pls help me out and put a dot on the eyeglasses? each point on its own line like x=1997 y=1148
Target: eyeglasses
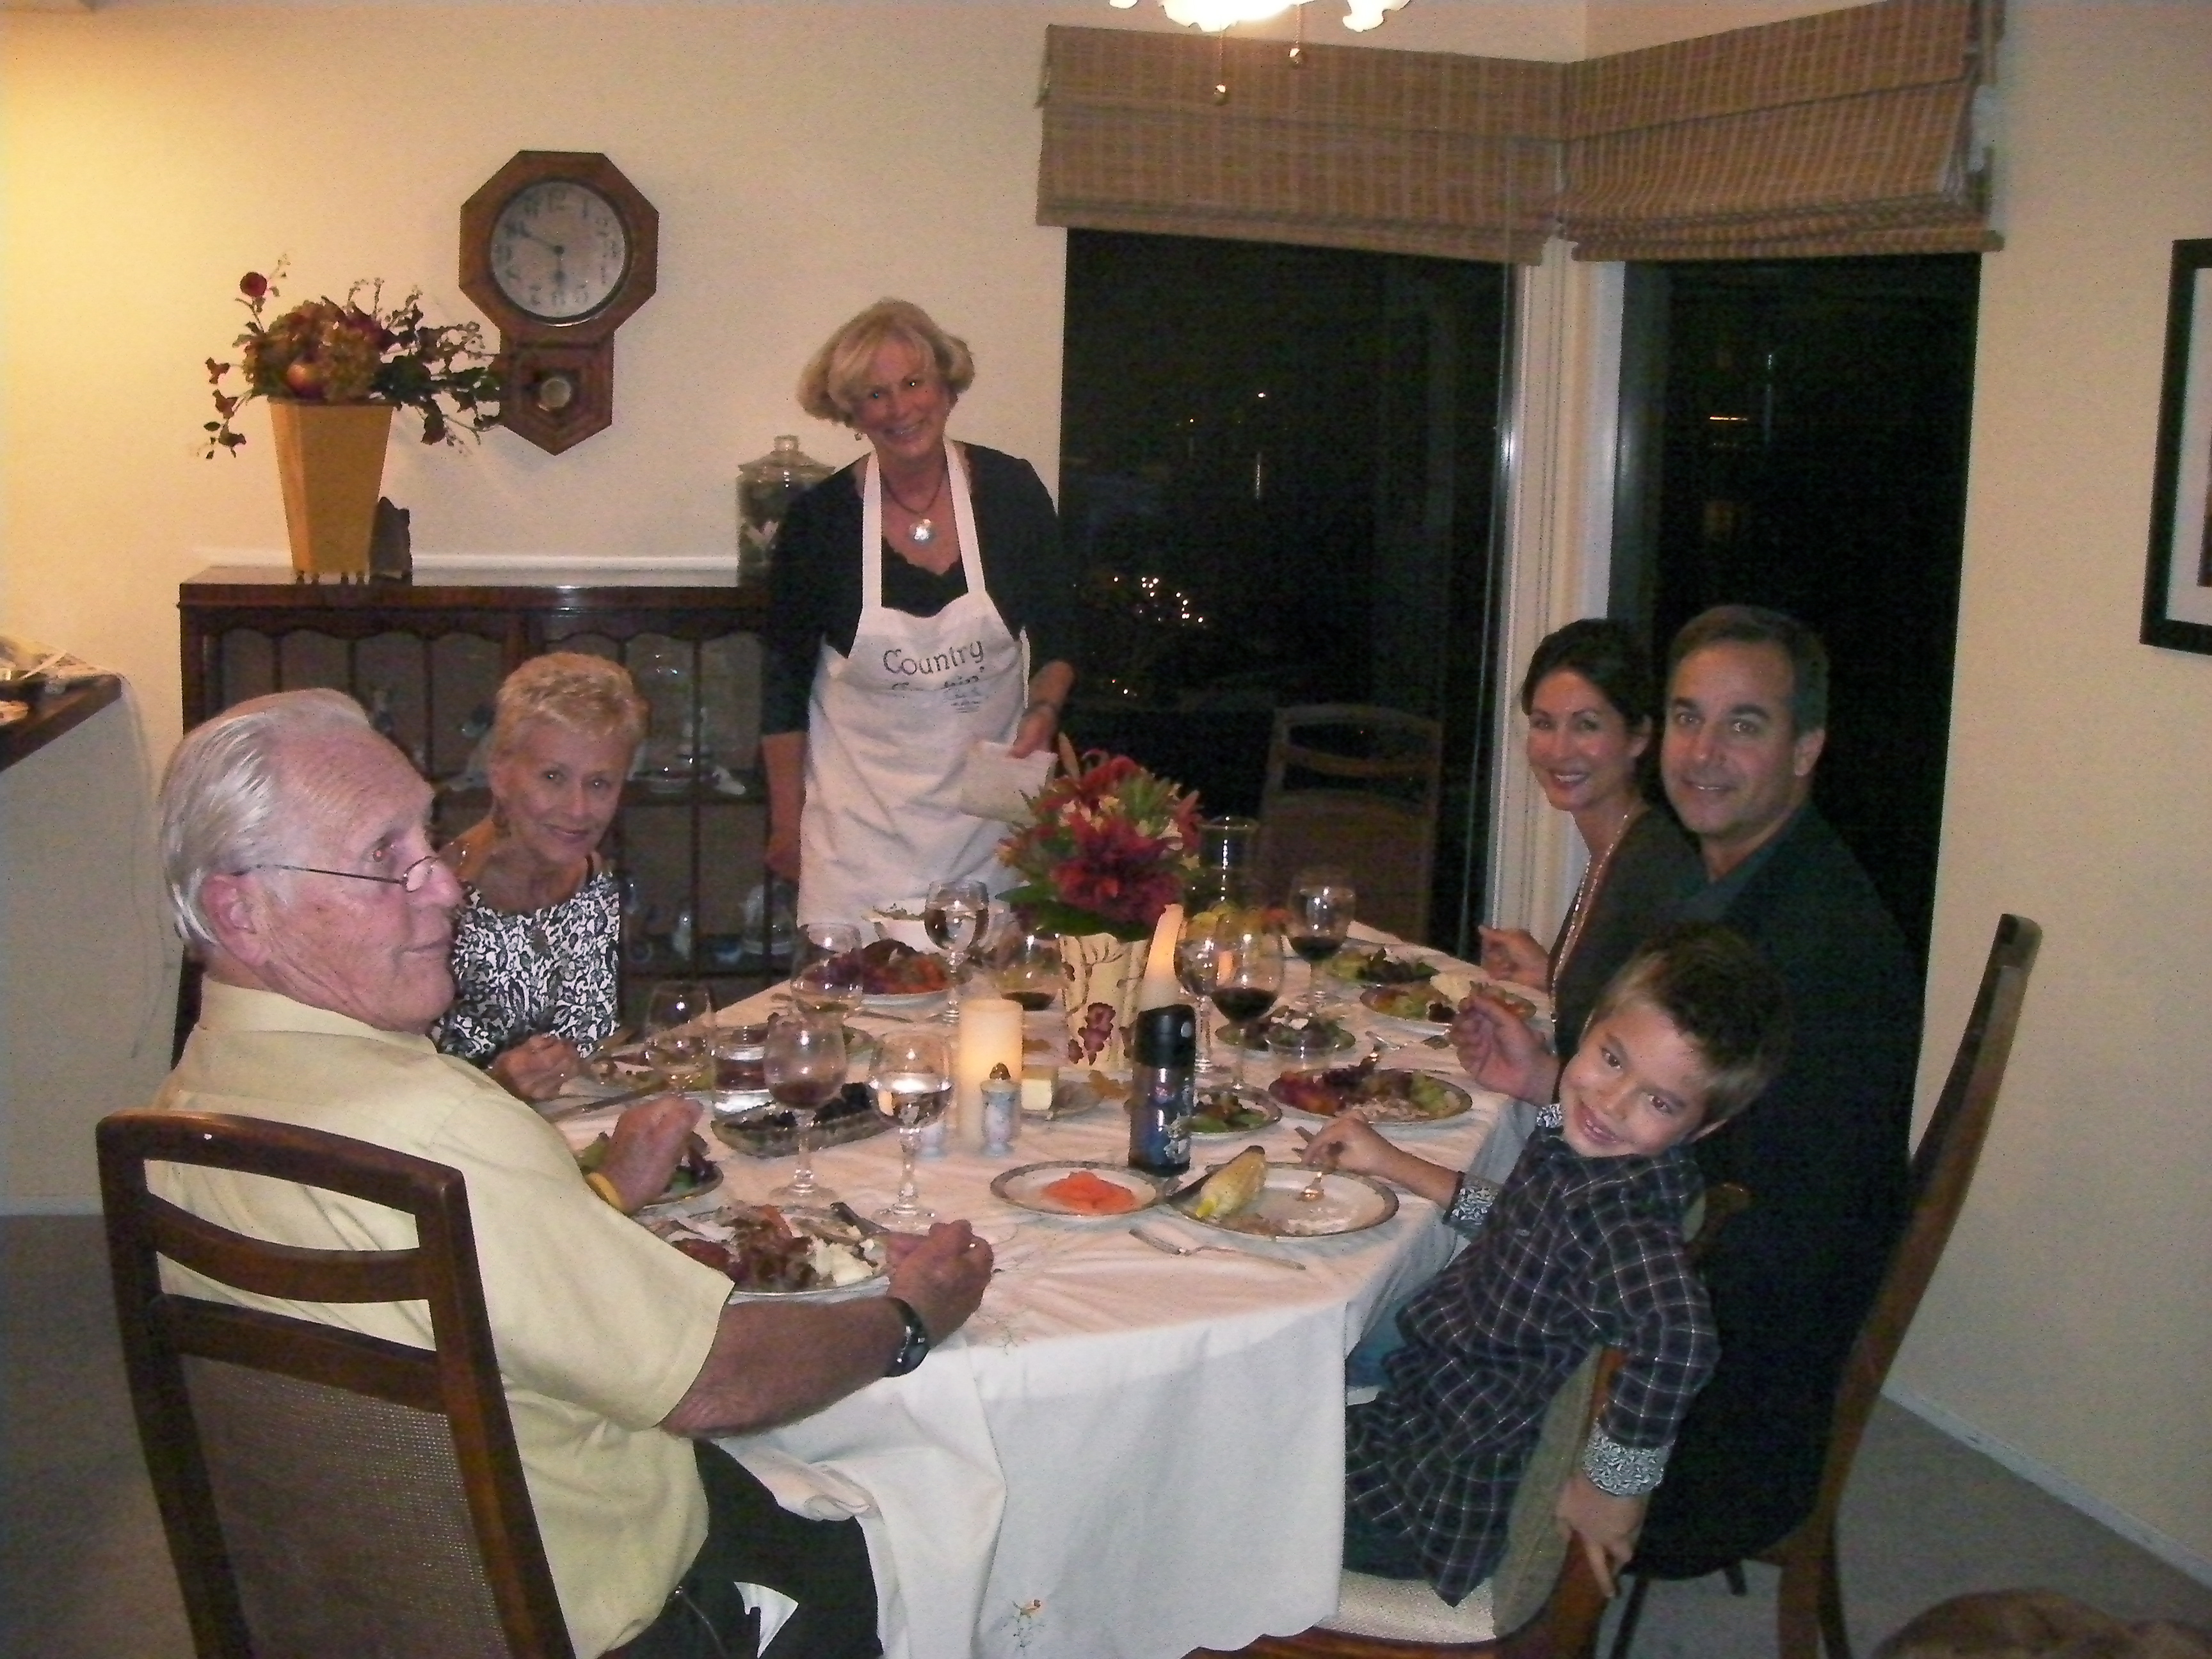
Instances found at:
x=413 y=879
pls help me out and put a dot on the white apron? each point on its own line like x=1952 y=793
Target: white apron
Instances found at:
x=888 y=731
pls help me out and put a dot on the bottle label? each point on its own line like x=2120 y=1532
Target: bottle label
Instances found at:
x=1161 y=1102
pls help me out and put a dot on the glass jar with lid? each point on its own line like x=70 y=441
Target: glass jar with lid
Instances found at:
x=766 y=489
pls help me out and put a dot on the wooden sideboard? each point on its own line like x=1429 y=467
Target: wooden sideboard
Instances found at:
x=425 y=657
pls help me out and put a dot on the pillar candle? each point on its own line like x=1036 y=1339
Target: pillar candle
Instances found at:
x=990 y=1035
x=1160 y=986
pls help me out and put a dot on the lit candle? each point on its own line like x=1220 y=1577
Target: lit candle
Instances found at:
x=1159 y=987
x=990 y=1035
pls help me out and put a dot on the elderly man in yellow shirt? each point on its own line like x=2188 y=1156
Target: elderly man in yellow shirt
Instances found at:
x=296 y=848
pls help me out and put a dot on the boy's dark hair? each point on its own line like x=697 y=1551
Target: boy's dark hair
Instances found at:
x=1727 y=1001
x=1753 y=624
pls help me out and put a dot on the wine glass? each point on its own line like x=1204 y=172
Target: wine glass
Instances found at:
x=1198 y=959
x=913 y=1085
x=1033 y=971
x=954 y=913
x=826 y=969
x=1248 y=975
x=805 y=1067
x=676 y=1035
x=1321 y=903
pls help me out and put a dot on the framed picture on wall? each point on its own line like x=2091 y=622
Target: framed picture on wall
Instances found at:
x=2178 y=585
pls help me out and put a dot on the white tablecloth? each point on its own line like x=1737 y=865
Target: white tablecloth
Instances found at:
x=1123 y=1453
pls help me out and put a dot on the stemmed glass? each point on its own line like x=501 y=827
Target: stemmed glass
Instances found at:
x=912 y=1085
x=1198 y=960
x=826 y=971
x=1034 y=971
x=675 y=1033
x=1321 y=903
x=1247 y=974
x=954 y=913
x=805 y=1066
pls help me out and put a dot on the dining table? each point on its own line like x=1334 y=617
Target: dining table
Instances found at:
x=1123 y=1452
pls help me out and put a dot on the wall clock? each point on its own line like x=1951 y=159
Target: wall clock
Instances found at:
x=558 y=249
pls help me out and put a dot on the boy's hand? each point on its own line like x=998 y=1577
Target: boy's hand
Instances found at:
x=1606 y=1526
x=1502 y=1051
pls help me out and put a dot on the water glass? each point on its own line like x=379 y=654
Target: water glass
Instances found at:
x=826 y=969
x=954 y=914
x=678 y=1034
x=911 y=1082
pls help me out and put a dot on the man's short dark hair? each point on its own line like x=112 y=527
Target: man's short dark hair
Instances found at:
x=1728 y=1002
x=1753 y=624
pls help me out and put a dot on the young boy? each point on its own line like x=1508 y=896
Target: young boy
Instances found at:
x=1581 y=1248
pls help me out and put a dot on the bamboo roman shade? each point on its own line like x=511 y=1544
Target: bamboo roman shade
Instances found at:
x=1394 y=152
x=1845 y=132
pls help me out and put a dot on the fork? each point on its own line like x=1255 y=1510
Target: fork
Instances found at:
x=1170 y=1246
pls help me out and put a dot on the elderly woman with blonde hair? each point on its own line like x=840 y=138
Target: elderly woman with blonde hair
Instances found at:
x=534 y=945
x=920 y=605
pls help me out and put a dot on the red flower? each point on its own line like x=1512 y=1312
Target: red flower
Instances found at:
x=253 y=285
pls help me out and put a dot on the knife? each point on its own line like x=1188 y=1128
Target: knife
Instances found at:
x=859 y=1222
x=578 y=1108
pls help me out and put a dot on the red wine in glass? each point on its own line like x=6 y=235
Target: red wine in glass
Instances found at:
x=1031 y=1001
x=807 y=1094
x=1241 y=1003
x=1316 y=948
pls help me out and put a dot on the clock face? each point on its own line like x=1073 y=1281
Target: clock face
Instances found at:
x=558 y=250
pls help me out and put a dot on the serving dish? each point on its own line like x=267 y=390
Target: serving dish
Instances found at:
x=1402 y=1099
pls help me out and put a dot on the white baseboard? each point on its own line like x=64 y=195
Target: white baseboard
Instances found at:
x=2071 y=1493
x=49 y=1206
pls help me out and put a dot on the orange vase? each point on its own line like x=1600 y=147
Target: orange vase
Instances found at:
x=330 y=461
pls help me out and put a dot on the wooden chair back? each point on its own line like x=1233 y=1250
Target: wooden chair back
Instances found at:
x=1355 y=784
x=323 y=1491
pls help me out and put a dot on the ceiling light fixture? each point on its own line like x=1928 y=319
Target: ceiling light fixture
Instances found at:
x=1215 y=15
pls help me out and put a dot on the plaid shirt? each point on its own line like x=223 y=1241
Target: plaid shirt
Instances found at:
x=1574 y=1254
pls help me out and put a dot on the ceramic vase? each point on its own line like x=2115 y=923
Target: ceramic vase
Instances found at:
x=330 y=462
x=1103 y=972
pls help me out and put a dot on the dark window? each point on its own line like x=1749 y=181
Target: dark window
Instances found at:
x=1277 y=474
x=1798 y=438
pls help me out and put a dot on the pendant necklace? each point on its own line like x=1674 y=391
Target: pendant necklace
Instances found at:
x=923 y=531
x=1578 y=913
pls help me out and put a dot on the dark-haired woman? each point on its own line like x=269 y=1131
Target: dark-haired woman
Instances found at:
x=1592 y=706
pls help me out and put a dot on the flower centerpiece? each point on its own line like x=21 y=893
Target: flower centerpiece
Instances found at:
x=1108 y=847
x=355 y=351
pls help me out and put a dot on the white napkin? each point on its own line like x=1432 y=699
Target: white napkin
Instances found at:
x=773 y=1606
x=806 y=1489
x=994 y=785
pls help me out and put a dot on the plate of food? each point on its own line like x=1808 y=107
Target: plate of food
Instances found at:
x=769 y=1256
x=698 y=1173
x=895 y=976
x=1324 y=1036
x=1379 y=964
x=1416 y=1007
x=1403 y=1098
x=1250 y=1194
x=1226 y=1112
x=769 y=1131
x=1084 y=1189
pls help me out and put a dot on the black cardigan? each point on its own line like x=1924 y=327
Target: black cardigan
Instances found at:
x=814 y=579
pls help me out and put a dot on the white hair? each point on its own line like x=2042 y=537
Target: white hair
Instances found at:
x=224 y=803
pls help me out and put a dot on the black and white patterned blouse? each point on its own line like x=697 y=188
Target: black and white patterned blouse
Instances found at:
x=518 y=973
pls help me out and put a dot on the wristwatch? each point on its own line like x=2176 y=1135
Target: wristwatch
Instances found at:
x=915 y=1349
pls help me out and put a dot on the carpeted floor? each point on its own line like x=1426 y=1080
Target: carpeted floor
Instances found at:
x=87 y=1576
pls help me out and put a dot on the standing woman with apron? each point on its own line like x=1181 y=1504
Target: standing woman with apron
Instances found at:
x=919 y=602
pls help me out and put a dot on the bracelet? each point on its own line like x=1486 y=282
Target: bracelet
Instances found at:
x=606 y=1189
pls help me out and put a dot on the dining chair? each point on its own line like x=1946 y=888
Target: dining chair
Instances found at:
x=1809 y=1602
x=1355 y=784
x=325 y=1492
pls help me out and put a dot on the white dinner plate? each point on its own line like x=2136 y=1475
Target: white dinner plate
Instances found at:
x=1348 y=1204
x=900 y=1002
x=1025 y=1187
x=1374 y=994
x=873 y=1284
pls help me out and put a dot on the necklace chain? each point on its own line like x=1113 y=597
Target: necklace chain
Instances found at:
x=1586 y=893
x=922 y=530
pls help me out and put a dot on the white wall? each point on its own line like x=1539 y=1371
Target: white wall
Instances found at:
x=2073 y=1319
x=806 y=158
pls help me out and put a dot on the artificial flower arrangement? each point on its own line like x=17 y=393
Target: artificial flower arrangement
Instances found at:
x=1108 y=847
x=355 y=351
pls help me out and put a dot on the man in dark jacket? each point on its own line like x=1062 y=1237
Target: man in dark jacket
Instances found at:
x=1824 y=1150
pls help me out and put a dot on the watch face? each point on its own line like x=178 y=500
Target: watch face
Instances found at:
x=558 y=250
